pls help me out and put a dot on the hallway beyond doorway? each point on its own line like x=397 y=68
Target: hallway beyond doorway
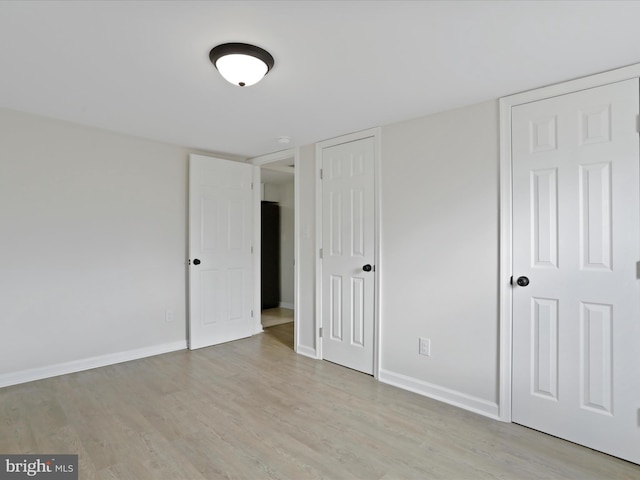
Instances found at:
x=276 y=316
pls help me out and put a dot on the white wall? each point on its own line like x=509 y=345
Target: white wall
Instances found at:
x=287 y=224
x=93 y=245
x=270 y=192
x=94 y=226
x=440 y=255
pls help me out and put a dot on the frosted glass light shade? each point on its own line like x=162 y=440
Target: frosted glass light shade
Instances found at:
x=242 y=70
x=240 y=63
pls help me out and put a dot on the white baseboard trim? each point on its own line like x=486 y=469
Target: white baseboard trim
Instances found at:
x=442 y=394
x=24 y=376
x=306 y=351
x=286 y=305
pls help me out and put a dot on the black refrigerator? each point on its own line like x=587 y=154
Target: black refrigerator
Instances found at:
x=270 y=255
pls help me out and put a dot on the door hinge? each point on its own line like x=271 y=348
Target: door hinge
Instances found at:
x=251 y=313
x=320 y=332
x=321 y=174
x=251 y=185
x=251 y=249
x=321 y=253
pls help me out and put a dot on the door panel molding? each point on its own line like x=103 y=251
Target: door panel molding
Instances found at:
x=374 y=133
x=506 y=210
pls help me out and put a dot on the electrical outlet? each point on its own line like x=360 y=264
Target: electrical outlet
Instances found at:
x=424 y=346
x=168 y=315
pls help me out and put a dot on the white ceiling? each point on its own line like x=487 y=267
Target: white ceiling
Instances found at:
x=142 y=67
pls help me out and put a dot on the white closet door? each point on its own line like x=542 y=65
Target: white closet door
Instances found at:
x=348 y=254
x=576 y=240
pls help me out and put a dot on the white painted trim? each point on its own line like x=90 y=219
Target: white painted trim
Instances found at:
x=377 y=235
x=274 y=157
x=306 y=351
x=263 y=160
x=352 y=137
x=287 y=305
x=506 y=248
x=297 y=234
x=318 y=263
x=257 y=225
x=592 y=81
x=446 y=395
x=15 y=378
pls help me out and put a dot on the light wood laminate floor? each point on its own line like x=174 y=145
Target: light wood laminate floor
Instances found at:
x=276 y=316
x=253 y=409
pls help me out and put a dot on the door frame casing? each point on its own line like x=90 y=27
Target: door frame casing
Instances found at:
x=506 y=212
x=374 y=133
x=260 y=161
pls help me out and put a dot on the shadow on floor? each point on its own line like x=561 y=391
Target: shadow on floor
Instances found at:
x=282 y=333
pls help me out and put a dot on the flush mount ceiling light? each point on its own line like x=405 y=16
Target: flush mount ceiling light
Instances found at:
x=240 y=63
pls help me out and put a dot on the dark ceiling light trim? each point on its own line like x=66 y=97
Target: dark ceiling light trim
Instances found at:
x=240 y=63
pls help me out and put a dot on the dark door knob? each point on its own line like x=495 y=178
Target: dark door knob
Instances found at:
x=196 y=261
x=367 y=268
x=522 y=281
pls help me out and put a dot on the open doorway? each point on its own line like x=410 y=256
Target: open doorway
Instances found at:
x=278 y=244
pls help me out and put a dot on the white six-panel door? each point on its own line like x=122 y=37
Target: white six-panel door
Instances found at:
x=348 y=246
x=576 y=239
x=220 y=251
